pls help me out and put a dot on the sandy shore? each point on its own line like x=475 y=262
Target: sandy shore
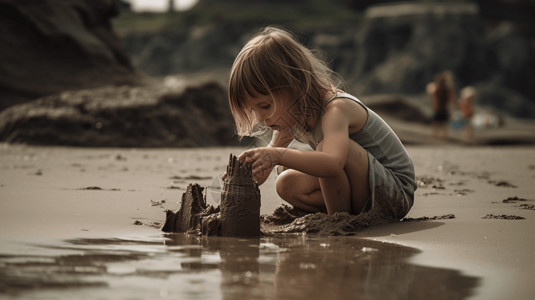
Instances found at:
x=472 y=183
x=50 y=194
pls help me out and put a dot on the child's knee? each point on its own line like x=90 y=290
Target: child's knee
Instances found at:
x=289 y=184
x=282 y=184
x=294 y=185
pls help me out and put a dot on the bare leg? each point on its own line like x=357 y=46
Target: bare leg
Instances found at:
x=300 y=190
x=336 y=193
x=347 y=192
x=357 y=170
x=468 y=131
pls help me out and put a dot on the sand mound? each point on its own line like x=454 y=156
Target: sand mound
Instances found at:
x=123 y=117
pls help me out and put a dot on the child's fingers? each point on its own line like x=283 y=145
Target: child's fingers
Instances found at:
x=257 y=173
x=255 y=160
x=244 y=156
x=259 y=167
x=241 y=157
x=249 y=156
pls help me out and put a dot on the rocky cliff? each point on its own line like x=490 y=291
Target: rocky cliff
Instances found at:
x=391 y=48
x=401 y=46
x=123 y=117
x=49 y=46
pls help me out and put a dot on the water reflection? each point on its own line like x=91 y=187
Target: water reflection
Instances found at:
x=185 y=266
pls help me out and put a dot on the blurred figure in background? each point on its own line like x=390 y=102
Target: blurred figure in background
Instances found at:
x=442 y=93
x=466 y=106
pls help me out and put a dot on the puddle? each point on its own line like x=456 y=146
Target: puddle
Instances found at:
x=182 y=266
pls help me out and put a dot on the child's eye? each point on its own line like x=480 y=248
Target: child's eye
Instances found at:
x=265 y=106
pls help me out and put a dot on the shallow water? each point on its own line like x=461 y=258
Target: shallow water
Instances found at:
x=183 y=266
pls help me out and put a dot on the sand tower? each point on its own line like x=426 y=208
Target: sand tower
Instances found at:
x=240 y=202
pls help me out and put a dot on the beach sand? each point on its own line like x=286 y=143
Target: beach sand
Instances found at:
x=59 y=205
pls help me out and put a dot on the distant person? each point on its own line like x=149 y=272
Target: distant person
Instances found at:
x=466 y=106
x=358 y=166
x=442 y=93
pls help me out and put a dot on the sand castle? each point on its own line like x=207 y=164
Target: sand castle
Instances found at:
x=194 y=216
x=238 y=214
x=240 y=201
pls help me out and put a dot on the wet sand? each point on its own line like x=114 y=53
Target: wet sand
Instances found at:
x=79 y=222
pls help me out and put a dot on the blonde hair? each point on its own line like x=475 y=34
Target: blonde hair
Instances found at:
x=273 y=61
x=468 y=92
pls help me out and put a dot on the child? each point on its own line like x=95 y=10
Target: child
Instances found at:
x=466 y=106
x=359 y=165
x=442 y=94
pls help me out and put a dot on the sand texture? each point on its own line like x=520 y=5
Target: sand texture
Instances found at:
x=194 y=215
x=238 y=214
x=471 y=216
x=240 y=202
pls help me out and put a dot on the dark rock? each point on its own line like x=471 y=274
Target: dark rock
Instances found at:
x=123 y=117
x=443 y=217
x=50 y=46
x=501 y=99
x=527 y=206
x=397 y=107
x=402 y=46
x=502 y=217
x=185 y=49
x=392 y=48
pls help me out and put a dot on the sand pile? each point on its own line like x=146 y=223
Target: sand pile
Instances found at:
x=194 y=216
x=238 y=214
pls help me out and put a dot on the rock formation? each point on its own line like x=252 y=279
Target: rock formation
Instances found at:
x=240 y=201
x=123 y=117
x=49 y=46
x=402 y=45
x=391 y=48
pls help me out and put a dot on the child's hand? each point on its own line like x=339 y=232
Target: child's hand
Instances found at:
x=262 y=160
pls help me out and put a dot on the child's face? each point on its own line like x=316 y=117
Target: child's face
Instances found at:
x=276 y=112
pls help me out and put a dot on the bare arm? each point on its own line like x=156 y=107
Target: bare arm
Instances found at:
x=332 y=158
x=327 y=163
x=279 y=140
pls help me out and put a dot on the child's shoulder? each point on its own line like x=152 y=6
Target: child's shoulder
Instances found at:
x=344 y=103
x=347 y=108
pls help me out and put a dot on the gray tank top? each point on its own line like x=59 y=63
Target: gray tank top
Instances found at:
x=379 y=140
